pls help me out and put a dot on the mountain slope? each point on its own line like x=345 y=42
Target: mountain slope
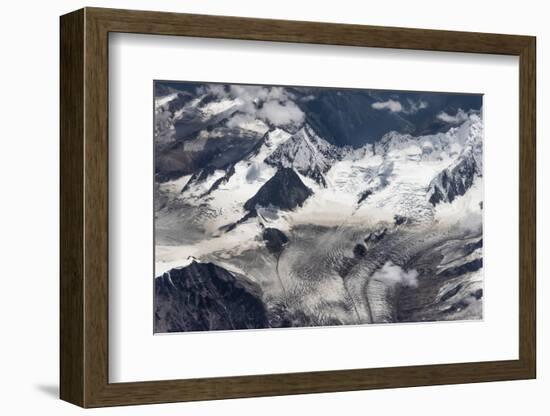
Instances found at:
x=453 y=181
x=206 y=297
x=285 y=190
x=339 y=207
x=306 y=153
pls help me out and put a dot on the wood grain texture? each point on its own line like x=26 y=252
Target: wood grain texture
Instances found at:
x=225 y=27
x=528 y=208
x=84 y=207
x=71 y=100
x=96 y=208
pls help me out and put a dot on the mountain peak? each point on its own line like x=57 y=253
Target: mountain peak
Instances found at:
x=285 y=190
x=307 y=153
x=206 y=297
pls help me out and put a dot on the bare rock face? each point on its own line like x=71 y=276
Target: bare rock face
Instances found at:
x=306 y=153
x=274 y=240
x=453 y=181
x=206 y=297
x=285 y=191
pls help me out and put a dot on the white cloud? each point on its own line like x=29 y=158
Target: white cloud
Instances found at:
x=270 y=104
x=281 y=114
x=395 y=106
x=458 y=118
x=415 y=107
x=392 y=105
x=239 y=119
x=391 y=274
x=247 y=122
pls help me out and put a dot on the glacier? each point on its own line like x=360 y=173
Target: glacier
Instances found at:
x=327 y=233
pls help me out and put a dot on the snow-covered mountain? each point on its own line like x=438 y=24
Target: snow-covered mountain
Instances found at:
x=306 y=153
x=401 y=175
x=234 y=165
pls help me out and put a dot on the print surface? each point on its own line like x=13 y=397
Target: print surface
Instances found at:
x=279 y=206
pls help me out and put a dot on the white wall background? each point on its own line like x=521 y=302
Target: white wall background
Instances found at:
x=29 y=158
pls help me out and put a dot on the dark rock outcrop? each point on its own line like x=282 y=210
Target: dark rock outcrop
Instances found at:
x=469 y=267
x=364 y=195
x=285 y=190
x=359 y=250
x=274 y=240
x=471 y=247
x=206 y=297
x=453 y=182
x=450 y=293
x=400 y=219
x=375 y=236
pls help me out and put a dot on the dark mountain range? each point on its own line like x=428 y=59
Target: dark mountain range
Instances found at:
x=184 y=157
x=348 y=117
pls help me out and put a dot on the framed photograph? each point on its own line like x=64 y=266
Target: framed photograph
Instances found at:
x=260 y=207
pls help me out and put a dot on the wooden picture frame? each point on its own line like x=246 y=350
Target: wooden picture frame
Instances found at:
x=84 y=207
